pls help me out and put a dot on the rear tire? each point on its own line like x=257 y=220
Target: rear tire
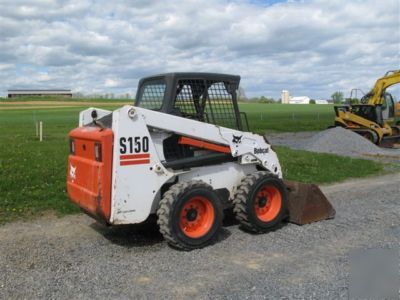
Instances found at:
x=190 y=215
x=260 y=203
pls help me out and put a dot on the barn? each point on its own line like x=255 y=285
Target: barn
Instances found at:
x=299 y=100
x=38 y=93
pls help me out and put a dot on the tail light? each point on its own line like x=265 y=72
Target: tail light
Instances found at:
x=97 y=151
x=72 y=146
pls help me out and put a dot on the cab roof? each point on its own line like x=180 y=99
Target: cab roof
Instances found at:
x=193 y=75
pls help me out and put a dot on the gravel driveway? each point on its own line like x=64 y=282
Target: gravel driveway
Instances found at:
x=73 y=257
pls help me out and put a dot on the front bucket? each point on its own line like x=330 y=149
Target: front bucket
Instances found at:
x=307 y=203
x=390 y=142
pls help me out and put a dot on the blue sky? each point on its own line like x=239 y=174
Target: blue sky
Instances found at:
x=313 y=47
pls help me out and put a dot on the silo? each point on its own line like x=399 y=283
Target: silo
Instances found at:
x=285 y=97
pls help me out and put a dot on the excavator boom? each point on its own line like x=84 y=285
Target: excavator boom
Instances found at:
x=375 y=96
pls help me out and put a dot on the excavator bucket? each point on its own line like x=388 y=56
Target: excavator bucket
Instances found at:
x=307 y=203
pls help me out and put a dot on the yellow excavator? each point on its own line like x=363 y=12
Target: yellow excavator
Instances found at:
x=375 y=117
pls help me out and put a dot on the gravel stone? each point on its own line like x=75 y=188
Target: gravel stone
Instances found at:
x=341 y=141
x=337 y=141
x=75 y=257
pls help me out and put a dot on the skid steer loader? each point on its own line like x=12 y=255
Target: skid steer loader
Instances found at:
x=181 y=153
x=375 y=118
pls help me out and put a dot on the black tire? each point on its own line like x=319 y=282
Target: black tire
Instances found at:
x=176 y=202
x=247 y=199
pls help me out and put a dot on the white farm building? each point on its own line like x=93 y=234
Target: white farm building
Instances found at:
x=287 y=99
x=299 y=100
x=320 y=101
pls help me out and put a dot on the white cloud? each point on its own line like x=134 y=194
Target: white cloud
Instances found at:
x=310 y=47
x=111 y=83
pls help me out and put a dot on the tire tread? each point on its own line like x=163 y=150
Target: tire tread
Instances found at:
x=166 y=207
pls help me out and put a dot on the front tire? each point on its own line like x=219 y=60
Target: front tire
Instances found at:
x=260 y=203
x=190 y=215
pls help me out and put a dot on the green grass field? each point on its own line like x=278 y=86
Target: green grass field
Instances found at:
x=33 y=173
x=63 y=99
x=293 y=117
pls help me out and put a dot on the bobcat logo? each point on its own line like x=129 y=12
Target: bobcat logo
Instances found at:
x=72 y=172
x=237 y=139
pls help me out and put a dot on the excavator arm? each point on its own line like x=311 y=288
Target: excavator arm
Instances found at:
x=375 y=96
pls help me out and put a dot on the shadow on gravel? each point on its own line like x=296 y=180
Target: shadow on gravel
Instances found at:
x=147 y=233
x=275 y=228
x=230 y=220
x=223 y=235
x=137 y=235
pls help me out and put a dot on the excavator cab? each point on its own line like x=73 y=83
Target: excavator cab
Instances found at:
x=388 y=106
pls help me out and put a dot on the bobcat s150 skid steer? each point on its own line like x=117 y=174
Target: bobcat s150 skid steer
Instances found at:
x=181 y=153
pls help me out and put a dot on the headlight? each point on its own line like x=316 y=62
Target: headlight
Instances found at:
x=97 y=151
x=72 y=146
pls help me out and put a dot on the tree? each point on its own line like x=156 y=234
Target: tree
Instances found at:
x=352 y=101
x=312 y=101
x=337 y=97
x=263 y=99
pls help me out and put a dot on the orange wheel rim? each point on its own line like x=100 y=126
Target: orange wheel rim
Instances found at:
x=268 y=203
x=197 y=217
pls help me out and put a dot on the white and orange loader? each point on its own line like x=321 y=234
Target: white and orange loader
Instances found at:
x=181 y=153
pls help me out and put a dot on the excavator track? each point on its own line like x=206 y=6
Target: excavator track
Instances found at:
x=369 y=134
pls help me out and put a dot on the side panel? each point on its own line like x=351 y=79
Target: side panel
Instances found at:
x=88 y=178
x=227 y=175
x=137 y=172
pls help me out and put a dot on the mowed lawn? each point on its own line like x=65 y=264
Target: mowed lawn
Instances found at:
x=33 y=173
x=288 y=117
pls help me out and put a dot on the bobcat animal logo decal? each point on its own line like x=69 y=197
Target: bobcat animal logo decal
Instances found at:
x=72 y=172
x=237 y=139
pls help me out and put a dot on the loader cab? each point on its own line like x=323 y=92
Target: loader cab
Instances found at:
x=370 y=112
x=205 y=97
x=376 y=113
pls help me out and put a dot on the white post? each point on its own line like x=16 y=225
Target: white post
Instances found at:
x=40 y=131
